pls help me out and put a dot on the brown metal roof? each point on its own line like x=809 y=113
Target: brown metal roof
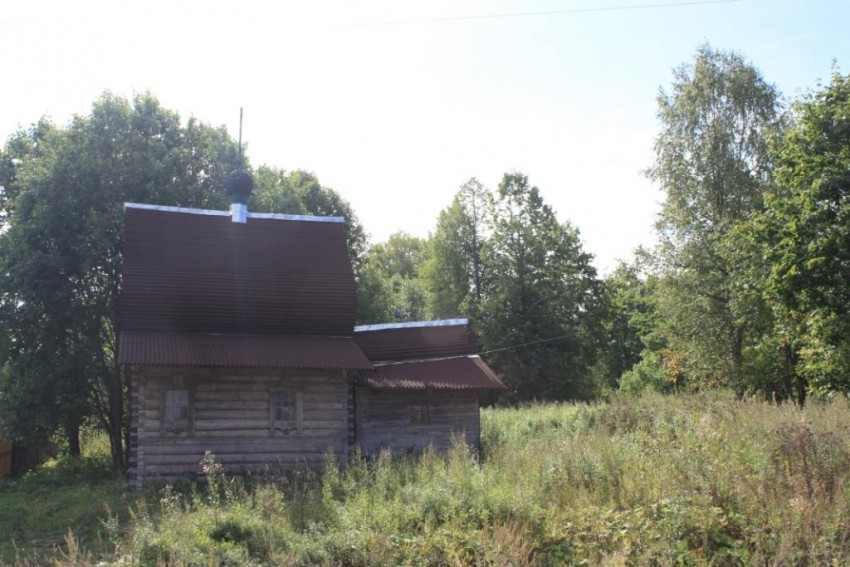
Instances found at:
x=280 y=351
x=413 y=341
x=446 y=374
x=191 y=272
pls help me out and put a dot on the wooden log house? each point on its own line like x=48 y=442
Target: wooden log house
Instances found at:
x=425 y=387
x=238 y=330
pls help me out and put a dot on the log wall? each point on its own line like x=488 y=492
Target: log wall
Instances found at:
x=231 y=416
x=385 y=421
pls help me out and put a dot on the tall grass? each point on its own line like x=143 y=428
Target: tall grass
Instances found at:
x=38 y=509
x=687 y=480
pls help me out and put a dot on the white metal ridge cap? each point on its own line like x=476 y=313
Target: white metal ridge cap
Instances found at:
x=308 y=218
x=168 y=209
x=380 y=364
x=412 y=324
x=214 y=213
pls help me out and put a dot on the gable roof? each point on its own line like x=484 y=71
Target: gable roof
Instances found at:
x=195 y=271
x=201 y=290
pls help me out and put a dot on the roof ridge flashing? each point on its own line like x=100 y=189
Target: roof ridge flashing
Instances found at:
x=412 y=325
x=216 y=213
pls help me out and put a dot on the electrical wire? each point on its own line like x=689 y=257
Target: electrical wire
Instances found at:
x=548 y=12
x=496 y=16
x=512 y=347
x=491 y=351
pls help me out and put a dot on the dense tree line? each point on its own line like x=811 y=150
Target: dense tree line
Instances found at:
x=749 y=281
x=747 y=287
x=507 y=263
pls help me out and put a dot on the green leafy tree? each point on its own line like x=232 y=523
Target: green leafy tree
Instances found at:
x=31 y=142
x=544 y=287
x=391 y=287
x=629 y=320
x=805 y=236
x=374 y=298
x=457 y=272
x=60 y=257
x=712 y=163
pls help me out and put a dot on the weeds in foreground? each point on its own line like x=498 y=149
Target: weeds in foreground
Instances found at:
x=683 y=480
x=38 y=509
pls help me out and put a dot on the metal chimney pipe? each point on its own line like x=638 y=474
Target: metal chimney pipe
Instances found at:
x=239 y=185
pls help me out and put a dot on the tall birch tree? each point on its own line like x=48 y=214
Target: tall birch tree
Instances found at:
x=711 y=162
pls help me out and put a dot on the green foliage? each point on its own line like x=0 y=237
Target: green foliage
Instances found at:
x=543 y=286
x=402 y=255
x=752 y=265
x=64 y=493
x=519 y=274
x=647 y=374
x=458 y=272
x=630 y=321
x=711 y=162
x=60 y=259
x=391 y=286
x=803 y=235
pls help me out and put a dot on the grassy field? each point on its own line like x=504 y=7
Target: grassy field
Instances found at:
x=682 y=480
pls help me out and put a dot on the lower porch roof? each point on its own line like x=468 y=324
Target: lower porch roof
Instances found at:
x=455 y=373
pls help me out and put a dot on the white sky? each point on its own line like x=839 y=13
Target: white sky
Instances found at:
x=395 y=103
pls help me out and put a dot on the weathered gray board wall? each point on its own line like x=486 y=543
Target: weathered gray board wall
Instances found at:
x=393 y=419
x=231 y=413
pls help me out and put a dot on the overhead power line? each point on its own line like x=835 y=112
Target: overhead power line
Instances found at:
x=491 y=351
x=549 y=12
x=621 y=8
x=537 y=342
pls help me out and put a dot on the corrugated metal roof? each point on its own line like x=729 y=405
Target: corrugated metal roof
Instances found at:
x=193 y=273
x=445 y=374
x=413 y=342
x=281 y=351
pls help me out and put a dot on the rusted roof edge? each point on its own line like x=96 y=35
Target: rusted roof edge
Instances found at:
x=372 y=379
x=261 y=351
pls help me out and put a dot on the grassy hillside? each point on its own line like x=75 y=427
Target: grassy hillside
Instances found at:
x=684 y=480
x=38 y=510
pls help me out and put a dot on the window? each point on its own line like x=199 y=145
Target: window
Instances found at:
x=420 y=415
x=286 y=410
x=284 y=407
x=175 y=415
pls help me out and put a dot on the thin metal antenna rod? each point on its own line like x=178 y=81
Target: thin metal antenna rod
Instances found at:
x=239 y=185
x=240 y=137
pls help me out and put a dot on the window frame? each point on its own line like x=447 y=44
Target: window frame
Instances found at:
x=420 y=414
x=184 y=424
x=295 y=423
